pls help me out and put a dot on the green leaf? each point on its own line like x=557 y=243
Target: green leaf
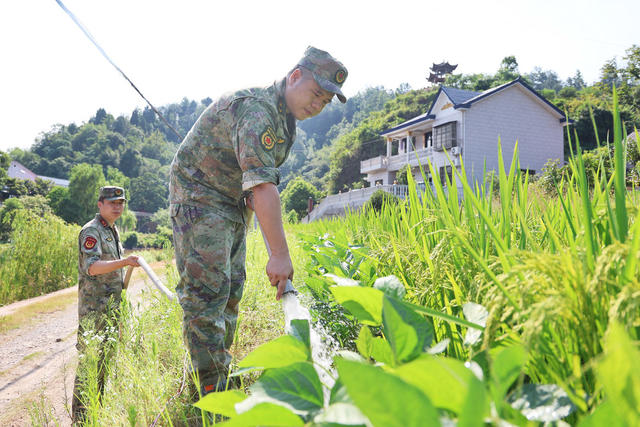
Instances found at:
x=376 y=348
x=477 y=314
x=345 y=414
x=221 y=403
x=475 y=403
x=280 y=352
x=265 y=414
x=605 y=415
x=296 y=387
x=619 y=374
x=342 y=281
x=505 y=369
x=541 y=402
x=445 y=381
x=299 y=328
x=364 y=343
x=408 y=332
x=363 y=303
x=384 y=398
x=391 y=286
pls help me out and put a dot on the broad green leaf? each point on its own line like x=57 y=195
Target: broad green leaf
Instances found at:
x=382 y=351
x=506 y=367
x=619 y=373
x=342 y=281
x=384 y=398
x=345 y=414
x=408 y=332
x=363 y=303
x=605 y=415
x=317 y=284
x=277 y=353
x=296 y=387
x=299 y=328
x=265 y=414
x=364 y=343
x=391 y=286
x=541 y=402
x=475 y=404
x=221 y=403
x=445 y=381
x=477 y=314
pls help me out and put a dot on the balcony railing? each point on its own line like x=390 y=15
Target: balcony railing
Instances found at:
x=338 y=204
x=397 y=162
x=373 y=164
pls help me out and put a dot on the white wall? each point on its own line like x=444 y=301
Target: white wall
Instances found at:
x=511 y=114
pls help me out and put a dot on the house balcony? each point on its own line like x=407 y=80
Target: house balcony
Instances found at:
x=374 y=164
x=397 y=162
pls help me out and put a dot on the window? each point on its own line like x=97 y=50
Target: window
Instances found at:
x=428 y=140
x=444 y=136
x=445 y=171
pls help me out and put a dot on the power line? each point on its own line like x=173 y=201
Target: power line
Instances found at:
x=95 y=43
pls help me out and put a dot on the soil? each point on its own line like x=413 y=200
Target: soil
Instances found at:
x=38 y=361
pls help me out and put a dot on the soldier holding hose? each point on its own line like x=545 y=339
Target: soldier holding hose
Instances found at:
x=100 y=282
x=229 y=156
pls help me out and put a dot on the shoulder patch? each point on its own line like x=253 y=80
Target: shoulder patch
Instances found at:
x=268 y=138
x=89 y=242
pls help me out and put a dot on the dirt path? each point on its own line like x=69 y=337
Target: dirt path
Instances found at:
x=38 y=361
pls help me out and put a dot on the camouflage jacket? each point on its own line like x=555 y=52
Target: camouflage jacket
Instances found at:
x=98 y=242
x=238 y=142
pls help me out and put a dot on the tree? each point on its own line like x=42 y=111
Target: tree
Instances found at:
x=148 y=193
x=576 y=81
x=84 y=187
x=508 y=69
x=296 y=196
x=5 y=161
x=131 y=162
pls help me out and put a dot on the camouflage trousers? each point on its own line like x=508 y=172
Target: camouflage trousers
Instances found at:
x=210 y=258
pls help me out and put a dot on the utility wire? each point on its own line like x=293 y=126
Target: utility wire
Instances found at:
x=95 y=43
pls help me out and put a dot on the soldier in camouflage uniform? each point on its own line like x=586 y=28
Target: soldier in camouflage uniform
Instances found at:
x=100 y=277
x=226 y=167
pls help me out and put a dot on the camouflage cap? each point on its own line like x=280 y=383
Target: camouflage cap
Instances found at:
x=111 y=192
x=328 y=72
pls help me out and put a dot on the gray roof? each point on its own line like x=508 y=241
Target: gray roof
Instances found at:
x=458 y=96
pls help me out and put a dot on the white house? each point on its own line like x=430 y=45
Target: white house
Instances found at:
x=468 y=125
x=18 y=170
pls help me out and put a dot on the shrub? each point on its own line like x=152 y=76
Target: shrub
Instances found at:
x=379 y=199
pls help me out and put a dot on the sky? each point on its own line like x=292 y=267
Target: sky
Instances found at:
x=50 y=73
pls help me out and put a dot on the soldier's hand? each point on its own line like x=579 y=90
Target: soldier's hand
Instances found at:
x=132 y=260
x=279 y=270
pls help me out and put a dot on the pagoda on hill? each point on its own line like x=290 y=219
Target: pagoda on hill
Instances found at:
x=439 y=71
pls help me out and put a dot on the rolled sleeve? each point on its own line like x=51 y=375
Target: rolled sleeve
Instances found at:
x=255 y=143
x=90 y=249
x=258 y=176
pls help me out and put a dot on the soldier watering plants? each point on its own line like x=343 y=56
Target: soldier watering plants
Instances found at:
x=100 y=283
x=225 y=168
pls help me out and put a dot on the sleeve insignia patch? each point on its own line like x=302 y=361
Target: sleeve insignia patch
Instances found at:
x=340 y=76
x=89 y=242
x=268 y=139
